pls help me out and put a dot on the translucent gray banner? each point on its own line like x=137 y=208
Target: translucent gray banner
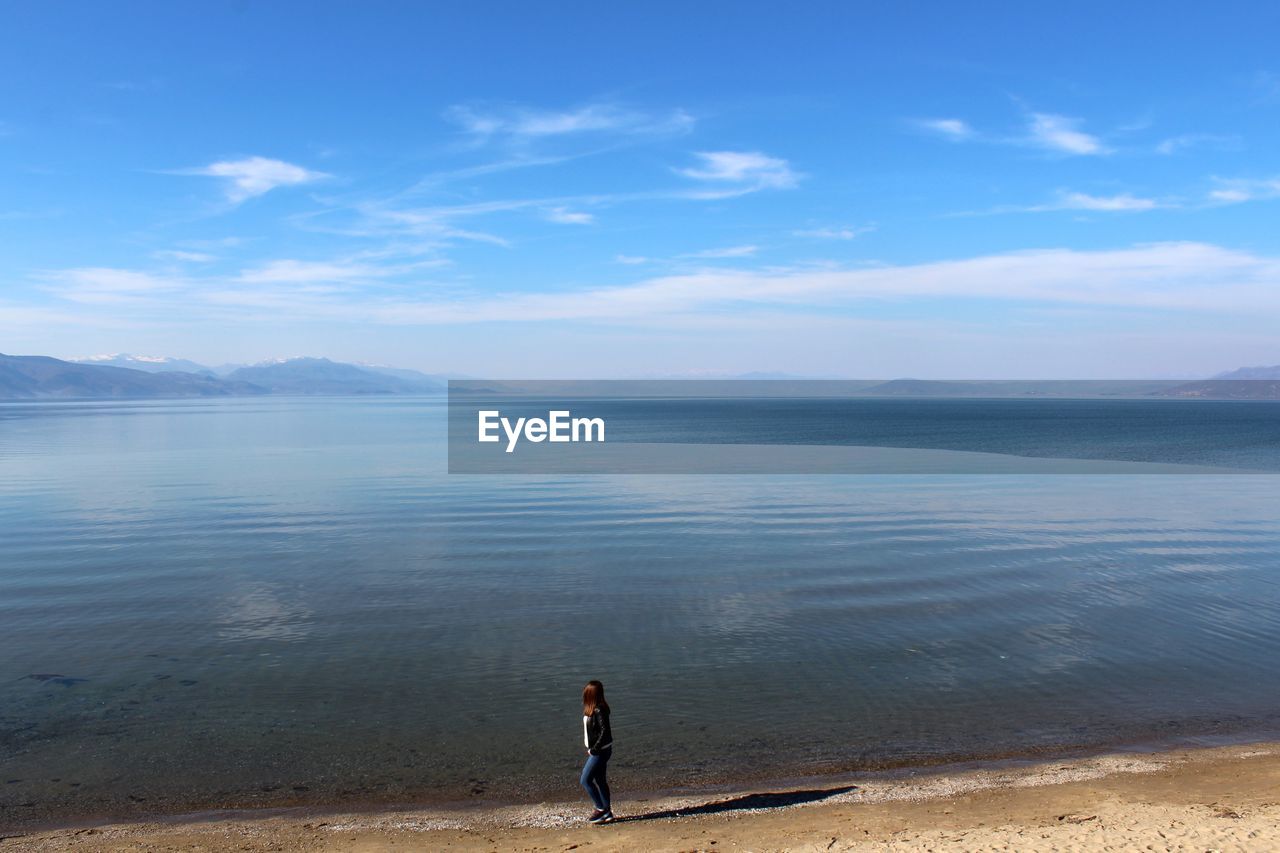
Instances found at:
x=863 y=427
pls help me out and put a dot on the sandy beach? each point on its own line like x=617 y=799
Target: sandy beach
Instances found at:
x=1222 y=798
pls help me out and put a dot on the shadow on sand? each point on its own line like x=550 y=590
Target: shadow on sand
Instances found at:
x=747 y=802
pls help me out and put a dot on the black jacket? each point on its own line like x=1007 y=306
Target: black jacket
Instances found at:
x=598 y=735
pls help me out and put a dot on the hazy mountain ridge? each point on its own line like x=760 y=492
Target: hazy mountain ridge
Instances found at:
x=1251 y=388
x=406 y=373
x=147 y=363
x=122 y=375
x=1020 y=387
x=1227 y=389
x=1272 y=372
x=322 y=376
x=36 y=377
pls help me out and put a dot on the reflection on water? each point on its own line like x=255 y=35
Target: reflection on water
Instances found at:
x=255 y=601
x=260 y=612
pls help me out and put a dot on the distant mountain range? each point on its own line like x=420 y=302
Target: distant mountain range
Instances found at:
x=322 y=376
x=1227 y=389
x=1234 y=388
x=130 y=376
x=1272 y=372
x=147 y=363
x=34 y=377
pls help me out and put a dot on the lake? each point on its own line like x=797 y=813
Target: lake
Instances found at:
x=210 y=603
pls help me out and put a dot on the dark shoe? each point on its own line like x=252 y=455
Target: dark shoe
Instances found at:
x=597 y=816
x=607 y=817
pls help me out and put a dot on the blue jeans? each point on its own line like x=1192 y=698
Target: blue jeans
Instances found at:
x=594 y=780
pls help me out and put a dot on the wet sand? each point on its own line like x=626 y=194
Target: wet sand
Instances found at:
x=1224 y=798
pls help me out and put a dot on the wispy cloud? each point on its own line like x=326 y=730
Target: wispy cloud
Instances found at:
x=527 y=123
x=1046 y=131
x=1236 y=191
x=107 y=284
x=1226 y=192
x=565 y=216
x=740 y=172
x=1230 y=196
x=737 y=166
x=18 y=319
x=254 y=176
x=184 y=256
x=218 y=243
x=725 y=252
x=1124 y=202
x=439 y=179
x=949 y=128
x=841 y=233
x=290 y=271
x=1174 y=144
x=720 y=174
x=1167 y=276
x=1061 y=134
x=1172 y=275
x=430 y=227
x=1070 y=200
x=631 y=259
x=1195 y=277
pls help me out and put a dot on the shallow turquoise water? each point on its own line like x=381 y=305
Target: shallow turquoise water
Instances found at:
x=279 y=600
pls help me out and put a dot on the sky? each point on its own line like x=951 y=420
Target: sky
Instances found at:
x=563 y=190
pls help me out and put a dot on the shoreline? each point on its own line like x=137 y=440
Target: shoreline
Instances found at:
x=250 y=805
x=1239 y=784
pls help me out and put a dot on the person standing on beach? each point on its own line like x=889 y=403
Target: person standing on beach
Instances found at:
x=598 y=739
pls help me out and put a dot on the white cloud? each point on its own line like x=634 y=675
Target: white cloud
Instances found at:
x=1229 y=196
x=107 y=284
x=843 y=233
x=741 y=172
x=1238 y=191
x=16 y=319
x=741 y=166
x=631 y=259
x=1169 y=276
x=434 y=225
x=1193 y=278
x=522 y=122
x=949 y=128
x=1059 y=133
x=254 y=176
x=1122 y=202
x=289 y=271
x=217 y=243
x=565 y=216
x=183 y=255
x=1174 y=144
x=726 y=252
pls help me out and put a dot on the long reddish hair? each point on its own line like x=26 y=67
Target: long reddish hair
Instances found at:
x=592 y=698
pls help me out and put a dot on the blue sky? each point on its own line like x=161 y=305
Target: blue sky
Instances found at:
x=573 y=189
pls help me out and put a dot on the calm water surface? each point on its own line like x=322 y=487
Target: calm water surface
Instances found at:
x=288 y=600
